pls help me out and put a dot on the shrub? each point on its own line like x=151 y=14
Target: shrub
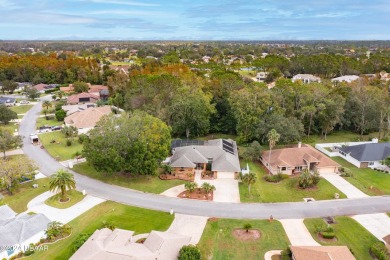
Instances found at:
x=108 y=224
x=247 y=226
x=286 y=254
x=60 y=114
x=276 y=178
x=346 y=173
x=328 y=235
x=189 y=252
x=308 y=180
x=68 y=142
x=80 y=240
x=30 y=250
x=59 y=105
x=379 y=250
x=83 y=138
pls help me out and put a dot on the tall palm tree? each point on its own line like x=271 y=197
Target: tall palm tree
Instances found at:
x=249 y=179
x=46 y=104
x=62 y=180
x=273 y=138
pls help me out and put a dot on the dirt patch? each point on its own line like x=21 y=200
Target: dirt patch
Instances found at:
x=241 y=234
x=198 y=194
x=176 y=177
x=376 y=191
x=64 y=201
x=212 y=219
x=326 y=240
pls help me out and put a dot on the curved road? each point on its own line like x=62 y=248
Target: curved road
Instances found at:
x=288 y=210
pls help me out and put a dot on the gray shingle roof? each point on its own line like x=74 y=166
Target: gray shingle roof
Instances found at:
x=368 y=152
x=6 y=212
x=19 y=229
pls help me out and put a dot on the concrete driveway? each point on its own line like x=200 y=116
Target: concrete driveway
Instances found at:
x=226 y=189
x=344 y=186
x=187 y=225
x=297 y=233
x=377 y=224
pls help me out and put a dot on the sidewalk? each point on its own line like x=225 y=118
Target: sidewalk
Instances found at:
x=14 y=152
x=344 y=186
x=297 y=232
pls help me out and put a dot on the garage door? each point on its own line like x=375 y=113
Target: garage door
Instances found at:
x=225 y=175
x=326 y=170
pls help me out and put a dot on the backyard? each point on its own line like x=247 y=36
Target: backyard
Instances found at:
x=284 y=191
x=348 y=232
x=121 y=216
x=366 y=178
x=218 y=242
x=152 y=184
x=19 y=200
x=59 y=150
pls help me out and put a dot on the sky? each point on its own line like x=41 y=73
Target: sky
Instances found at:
x=194 y=20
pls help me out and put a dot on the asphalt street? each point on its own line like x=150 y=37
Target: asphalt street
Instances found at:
x=288 y=210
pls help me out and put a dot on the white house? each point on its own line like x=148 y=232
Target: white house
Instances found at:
x=306 y=78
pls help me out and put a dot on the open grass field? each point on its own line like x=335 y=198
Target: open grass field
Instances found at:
x=121 y=216
x=59 y=150
x=217 y=241
x=42 y=121
x=365 y=178
x=348 y=232
x=73 y=195
x=152 y=184
x=22 y=109
x=284 y=191
x=19 y=200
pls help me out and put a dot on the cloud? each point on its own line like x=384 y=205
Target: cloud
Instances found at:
x=118 y=2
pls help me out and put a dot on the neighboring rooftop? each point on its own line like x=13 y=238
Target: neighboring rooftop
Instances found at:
x=119 y=245
x=321 y=253
x=306 y=78
x=70 y=109
x=6 y=213
x=346 y=78
x=368 y=152
x=87 y=118
x=82 y=97
x=223 y=153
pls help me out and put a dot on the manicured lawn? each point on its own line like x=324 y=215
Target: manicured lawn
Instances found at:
x=21 y=109
x=41 y=121
x=338 y=136
x=217 y=241
x=363 y=179
x=59 y=150
x=9 y=127
x=19 y=200
x=151 y=184
x=73 y=195
x=348 y=232
x=284 y=191
x=121 y=216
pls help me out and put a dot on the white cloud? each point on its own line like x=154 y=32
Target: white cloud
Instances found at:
x=119 y=2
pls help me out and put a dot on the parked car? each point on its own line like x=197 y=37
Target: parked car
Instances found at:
x=24 y=102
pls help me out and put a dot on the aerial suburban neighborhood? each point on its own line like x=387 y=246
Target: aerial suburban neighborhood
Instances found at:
x=194 y=130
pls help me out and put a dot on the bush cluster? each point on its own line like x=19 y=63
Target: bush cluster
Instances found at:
x=379 y=250
x=276 y=178
x=308 y=180
x=189 y=252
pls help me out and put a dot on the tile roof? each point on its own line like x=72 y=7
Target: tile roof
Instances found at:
x=87 y=118
x=292 y=157
x=74 y=99
x=40 y=86
x=21 y=228
x=368 y=152
x=321 y=253
x=222 y=160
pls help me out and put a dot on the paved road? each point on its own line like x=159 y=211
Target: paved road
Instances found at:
x=202 y=208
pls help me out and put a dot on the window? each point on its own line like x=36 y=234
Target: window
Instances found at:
x=283 y=168
x=371 y=163
x=298 y=168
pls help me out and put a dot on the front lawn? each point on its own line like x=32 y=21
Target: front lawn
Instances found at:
x=73 y=195
x=121 y=216
x=217 y=241
x=19 y=200
x=11 y=127
x=42 y=121
x=284 y=191
x=59 y=150
x=348 y=232
x=364 y=179
x=152 y=184
x=22 y=109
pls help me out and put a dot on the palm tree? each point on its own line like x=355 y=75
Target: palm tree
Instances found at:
x=62 y=180
x=46 y=104
x=249 y=179
x=190 y=186
x=273 y=138
x=60 y=94
x=208 y=188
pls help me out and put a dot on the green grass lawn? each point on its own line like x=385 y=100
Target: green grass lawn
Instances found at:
x=363 y=179
x=217 y=241
x=121 y=216
x=151 y=184
x=348 y=232
x=21 y=109
x=59 y=150
x=73 y=195
x=284 y=191
x=42 y=121
x=337 y=137
x=9 y=127
x=19 y=200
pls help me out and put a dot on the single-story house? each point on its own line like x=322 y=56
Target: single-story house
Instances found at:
x=82 y=98
x=306 y=78
x=321 y=253
x=41 y=88
x=119 y=244
x=87 y=119
x=218 y=155
x=18 y=232
x=346 y=78
x=70 y=109
x=94 y=89
x=366 y=155
x=296 y=159
x=8 y=101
